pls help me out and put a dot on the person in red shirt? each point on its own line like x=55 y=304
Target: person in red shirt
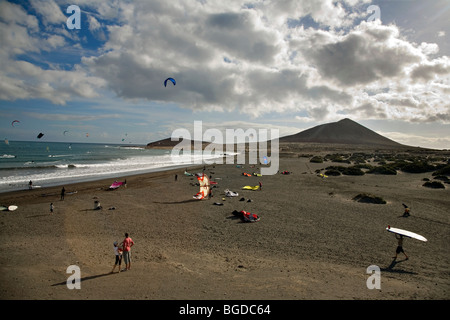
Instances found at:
x=126 y=247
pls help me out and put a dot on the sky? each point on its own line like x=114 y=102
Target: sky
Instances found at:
x=287 y=64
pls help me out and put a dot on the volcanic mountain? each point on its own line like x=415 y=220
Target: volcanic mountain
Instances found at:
x=345 y=131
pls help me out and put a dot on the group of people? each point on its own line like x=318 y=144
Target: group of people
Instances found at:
x=123 y=251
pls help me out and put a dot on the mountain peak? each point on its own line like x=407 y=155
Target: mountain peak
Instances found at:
x=345 y=131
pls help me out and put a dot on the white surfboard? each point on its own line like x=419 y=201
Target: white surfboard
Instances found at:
x=12 y=208
x=406 y=233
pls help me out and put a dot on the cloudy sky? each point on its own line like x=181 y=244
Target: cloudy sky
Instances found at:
x=285 y=64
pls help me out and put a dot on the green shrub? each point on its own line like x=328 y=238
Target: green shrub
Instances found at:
x=417 y=167
x=368 y=198
x=442 y=178
x=434 y=185
x=442 y=171
x=332 y=172
x=349 y=171
x=316 y=159
x=383 y=170
x=352 y=171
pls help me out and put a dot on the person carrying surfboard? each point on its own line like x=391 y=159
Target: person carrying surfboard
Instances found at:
x=399 y=249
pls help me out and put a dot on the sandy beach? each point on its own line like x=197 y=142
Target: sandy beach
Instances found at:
x=312 y=241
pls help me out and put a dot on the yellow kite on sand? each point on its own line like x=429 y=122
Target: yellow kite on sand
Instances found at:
x=250 y=188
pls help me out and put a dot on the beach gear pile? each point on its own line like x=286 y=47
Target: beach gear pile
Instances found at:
x=246 y=216
x=230 y=193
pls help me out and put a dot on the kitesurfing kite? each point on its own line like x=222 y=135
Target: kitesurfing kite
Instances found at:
x=12 y=123
x=169 y=79
x=64 y=133
x=204 y=186
x=40 y=135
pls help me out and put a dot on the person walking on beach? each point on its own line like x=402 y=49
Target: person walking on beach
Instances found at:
x=30 y=185
x=127 y=243
x=52 y=207
x=260 y=186
x=118 y=254
x=63 y=191
x=400 y=246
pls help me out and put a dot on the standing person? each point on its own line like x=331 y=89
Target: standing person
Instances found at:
x=63 y=191
x=30 y=185
x=400 y=246
x=126 y=247
x=51 y=208
x=260 y=186
x=176 y=177
x=118 y=254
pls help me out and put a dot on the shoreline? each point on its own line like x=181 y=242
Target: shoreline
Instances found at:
x=100 y=183
x=97 y=178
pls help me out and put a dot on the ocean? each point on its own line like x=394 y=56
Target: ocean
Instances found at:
x=57 y=163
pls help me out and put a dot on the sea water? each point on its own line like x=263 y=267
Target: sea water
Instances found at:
x=58 y=163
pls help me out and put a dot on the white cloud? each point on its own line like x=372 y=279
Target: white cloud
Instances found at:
x=49 y=11
x=232 y=57
x=418 y=140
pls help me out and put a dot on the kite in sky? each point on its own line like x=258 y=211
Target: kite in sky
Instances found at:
x=169 y=79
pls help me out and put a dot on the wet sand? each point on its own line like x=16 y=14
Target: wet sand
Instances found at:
x=312 y=241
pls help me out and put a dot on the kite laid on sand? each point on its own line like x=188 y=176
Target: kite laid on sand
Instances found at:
x=204 y=186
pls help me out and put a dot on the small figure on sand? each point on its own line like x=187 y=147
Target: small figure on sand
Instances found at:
x=97 y=205
x=30 y=185
x=63 y=192
x=52 y=207
x=260 y=186
x=407 y=211
x=118 y=254
x=400 y=246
